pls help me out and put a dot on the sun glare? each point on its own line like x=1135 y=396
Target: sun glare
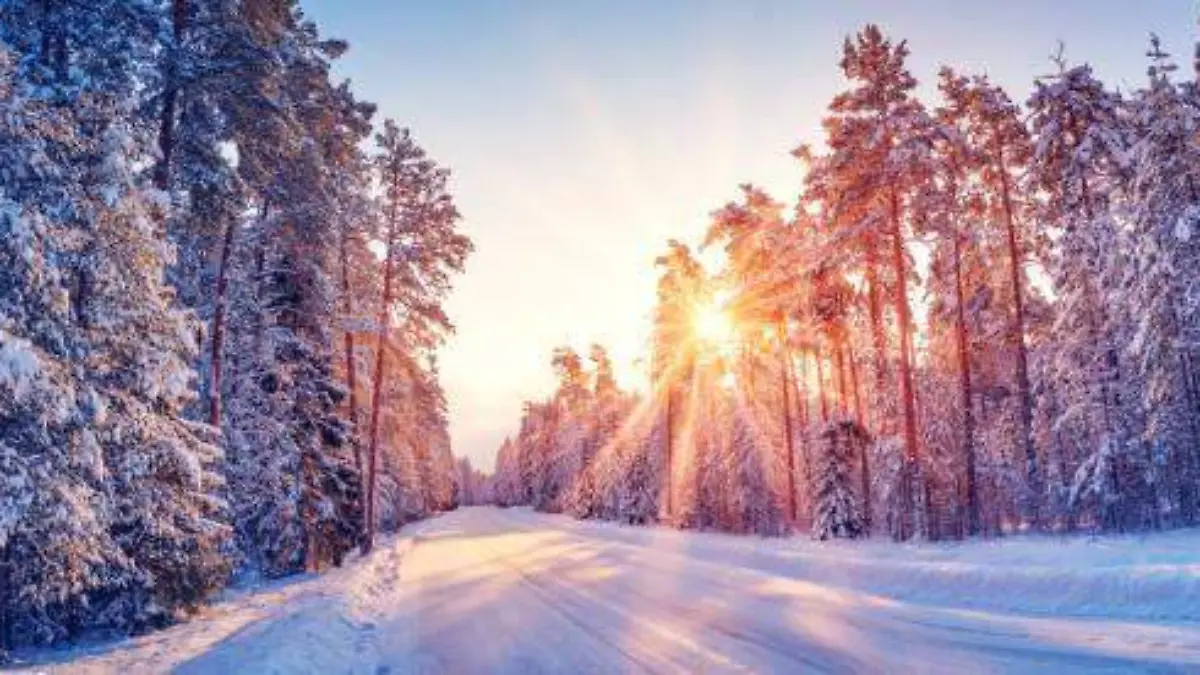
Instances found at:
x=712 y=325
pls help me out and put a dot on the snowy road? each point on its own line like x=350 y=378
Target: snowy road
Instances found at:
x=492 y=591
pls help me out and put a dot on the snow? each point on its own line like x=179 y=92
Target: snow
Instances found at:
x=18 y=364
x=512 y=591
x=307 y=624
x=1145 y=577
x=1183 y=228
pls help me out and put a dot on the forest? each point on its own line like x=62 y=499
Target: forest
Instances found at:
x=221 y=302
x=977 y=317
x=223 y=288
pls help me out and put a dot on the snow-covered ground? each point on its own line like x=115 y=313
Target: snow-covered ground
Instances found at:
x=494 y=591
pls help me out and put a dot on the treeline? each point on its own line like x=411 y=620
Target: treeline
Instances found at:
x=1048 y=382
x=219 y=312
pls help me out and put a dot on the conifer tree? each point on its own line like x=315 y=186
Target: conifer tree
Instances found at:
x=879 y=136
x=1079 y=163
x=837 y=514
x=1165 y=208
x=112 y=520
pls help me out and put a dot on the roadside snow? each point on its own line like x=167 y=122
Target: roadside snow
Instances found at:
x=310 y=624
x=1152 y=576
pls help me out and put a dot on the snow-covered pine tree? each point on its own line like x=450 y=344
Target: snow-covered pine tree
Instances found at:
x=114 y=523
x=957 y=269
x=421 y=250
x=879 y=140
x=293 y=477
x=837 y=514
x=1080 y=164
x=1165 y=213
x=506 y=478
x=769 y=289
x=756 y=502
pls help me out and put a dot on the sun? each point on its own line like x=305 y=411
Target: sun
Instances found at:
x=712 y=325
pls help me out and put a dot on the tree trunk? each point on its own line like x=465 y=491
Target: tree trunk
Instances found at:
x=785 y=369
x=821 y=384
x=385 y=314
x=865 y=458
x=670 y=459
x=907 y=395
x=166 y=127
x=840 y=364
x=964 y=371
x=878 y=338
x=351 y=368
x=802 y=396
x=1025 y=417
x=1187 y=477
x=858 y=408
x=804 y=451
x=217 y=356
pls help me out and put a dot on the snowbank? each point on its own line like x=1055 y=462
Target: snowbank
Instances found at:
x=1151 y=576
x=320 y=618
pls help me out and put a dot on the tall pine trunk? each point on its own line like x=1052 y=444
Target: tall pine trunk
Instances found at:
x=220 y=301
x=821 y=384
x=785 y=371
x=854 y=386
x=1024 y=391
x=166 y=128
x=384 y=319
x=865 y=457
x=878 y=338
x=839 y=356
x=964 y=372
x=907 y=394
x=802 y=408
x=351 y=369
x=802 y=396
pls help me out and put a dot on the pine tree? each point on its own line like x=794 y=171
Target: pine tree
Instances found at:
x=1079 y=163
x=296 y=490
x=953 y=209
x=879 y=137
x=113 y=522
x=762 y=270
x=837 y=513
x=1002 y=141
x=1164 y=211
x=673 y=358
x=421 y=250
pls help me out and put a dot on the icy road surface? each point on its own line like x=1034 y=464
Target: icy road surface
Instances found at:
x=492 y=591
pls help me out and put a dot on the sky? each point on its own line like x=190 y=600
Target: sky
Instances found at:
x=584 y=134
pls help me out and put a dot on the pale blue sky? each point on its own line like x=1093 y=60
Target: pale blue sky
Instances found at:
x=583 y=134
